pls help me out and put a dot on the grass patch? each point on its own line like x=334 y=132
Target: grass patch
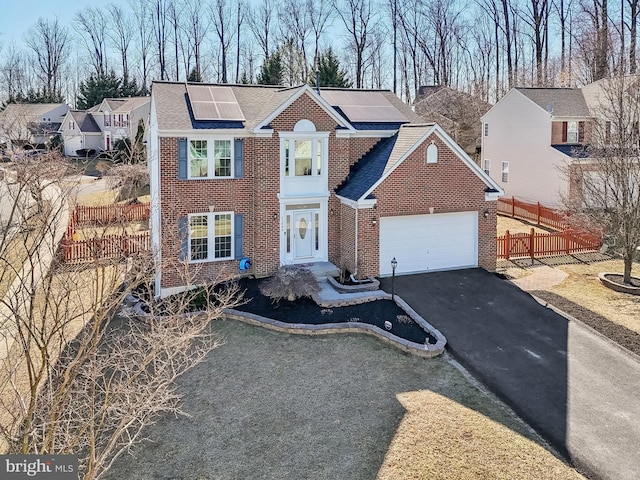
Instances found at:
x=439 y=438
x=272 y=405
x=583 y=287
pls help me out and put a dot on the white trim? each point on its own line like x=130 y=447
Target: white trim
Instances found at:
x=227 y=132
x=211 y=236
x=322 y=254
x=491 y=196
x=437 y=130
x=314 y=96
x=365 y=133
x=360 y=204
x=211 y=161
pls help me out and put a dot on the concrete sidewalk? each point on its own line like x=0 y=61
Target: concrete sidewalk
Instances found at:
x=575 y=388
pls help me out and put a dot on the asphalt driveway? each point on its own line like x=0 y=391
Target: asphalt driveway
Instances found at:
x=578 y=390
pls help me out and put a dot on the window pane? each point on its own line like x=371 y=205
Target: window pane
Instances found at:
x=199 y=240
x=222 y=225
x=288 y=233
x=222 y=247
x=222 y=156
x=198 y=156
x=317 y=218
x=319 y=157
x=286 y=158
x=303 y=157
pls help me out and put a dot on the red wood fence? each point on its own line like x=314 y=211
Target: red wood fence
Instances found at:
x=106 y=246
x=545 y=244
x=532 y=212
x=105 y=214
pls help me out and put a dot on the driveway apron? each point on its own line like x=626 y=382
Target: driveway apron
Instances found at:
x=576 y=389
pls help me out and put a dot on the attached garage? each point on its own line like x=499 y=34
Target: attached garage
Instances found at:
x=423 y=243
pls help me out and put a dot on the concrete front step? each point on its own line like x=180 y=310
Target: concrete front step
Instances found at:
x=321 y=270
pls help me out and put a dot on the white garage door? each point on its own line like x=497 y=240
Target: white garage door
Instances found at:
x=422 y=243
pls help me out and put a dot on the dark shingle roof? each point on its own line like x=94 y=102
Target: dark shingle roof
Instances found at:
x=367 y=170
x=86 y=123
x=560 y=102
x=573 y=151
x=375 y=126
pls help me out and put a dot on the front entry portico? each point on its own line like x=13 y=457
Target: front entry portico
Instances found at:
x=304 y=237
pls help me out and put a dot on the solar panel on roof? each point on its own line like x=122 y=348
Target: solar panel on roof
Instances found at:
x=364 y=106
x=214 y=103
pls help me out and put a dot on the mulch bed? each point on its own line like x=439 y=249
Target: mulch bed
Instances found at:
x=619 y=279
x=619 y=334
x=306 y=311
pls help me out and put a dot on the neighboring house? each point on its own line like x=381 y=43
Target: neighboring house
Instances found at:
x=457 y=112
x=530 y=137
x=30 y=124
x=292 y=176
x=101 y=126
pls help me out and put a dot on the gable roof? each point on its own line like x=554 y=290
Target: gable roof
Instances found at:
x=120 y=105
x=86 y=123
x=560 y=102
x=389 y=153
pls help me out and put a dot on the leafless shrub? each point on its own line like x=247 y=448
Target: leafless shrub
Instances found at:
x=290 y=282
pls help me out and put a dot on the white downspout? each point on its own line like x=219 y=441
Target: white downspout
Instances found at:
x=356 y=242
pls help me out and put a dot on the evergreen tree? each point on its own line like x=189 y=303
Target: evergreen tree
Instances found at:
x=129 y=88
x=194 y=76
x=330 y=73
x=96 y=88
x=271 y=71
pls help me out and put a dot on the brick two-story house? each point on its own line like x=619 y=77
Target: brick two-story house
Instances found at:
x=295 y=176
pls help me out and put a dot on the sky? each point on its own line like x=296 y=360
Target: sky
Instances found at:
x=17 y=16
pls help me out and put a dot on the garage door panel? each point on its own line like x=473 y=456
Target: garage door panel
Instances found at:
x=428 y=242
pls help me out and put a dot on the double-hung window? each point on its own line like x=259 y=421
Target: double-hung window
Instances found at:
x=505 y=172
x=211 y=236
x=210 y=158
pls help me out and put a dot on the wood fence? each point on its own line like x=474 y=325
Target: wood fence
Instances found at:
x=533 y=213
x=105 y=246
x=106 y=214
x=545 y=244
x=108 y=246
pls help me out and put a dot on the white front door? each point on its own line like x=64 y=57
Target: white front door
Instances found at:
x=303 y=234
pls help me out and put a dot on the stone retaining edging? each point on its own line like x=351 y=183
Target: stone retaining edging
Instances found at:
x=419 y=349
x=629 y=289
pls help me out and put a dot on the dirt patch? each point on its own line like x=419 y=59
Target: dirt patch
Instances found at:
x=618 y=333
x=268 y=405
x=517 y=226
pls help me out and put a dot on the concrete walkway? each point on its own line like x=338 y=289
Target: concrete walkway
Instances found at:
x=542 y=278
x=575 y=388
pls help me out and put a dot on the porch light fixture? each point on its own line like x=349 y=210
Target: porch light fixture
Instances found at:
x=486 y=214
x=374 y=222
x=394 y=264
x=275 y=215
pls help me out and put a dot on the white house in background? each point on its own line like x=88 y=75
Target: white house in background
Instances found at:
x=530 y=136
x=30 y=123
x=100 y=127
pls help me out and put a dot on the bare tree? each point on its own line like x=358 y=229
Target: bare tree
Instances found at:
x=261 y=24
x=91 y=25
x=49 y=42
x=120 y=34
x=633 y=33
x=159 y=22
x=320 y=15
x=241 y=13
x=221 y=14
x=358 y=18
x=294 y=21
x=79 y=374
x=605 y=189
x=142 y=16
x=13 y=73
